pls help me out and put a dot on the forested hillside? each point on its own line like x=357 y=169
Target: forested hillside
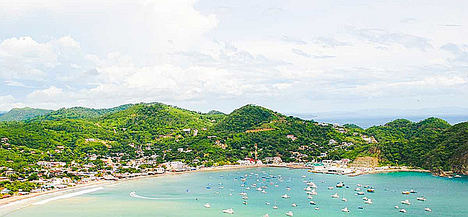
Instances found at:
x=167 y=133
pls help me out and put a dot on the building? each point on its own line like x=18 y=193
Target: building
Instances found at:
x=273 y=160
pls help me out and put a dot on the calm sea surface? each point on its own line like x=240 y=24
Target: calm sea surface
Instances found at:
x=185 y=195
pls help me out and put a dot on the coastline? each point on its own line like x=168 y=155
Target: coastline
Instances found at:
x=18 y=202
x=27 y=200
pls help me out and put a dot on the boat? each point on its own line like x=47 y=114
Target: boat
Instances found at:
x=309 y=197
x=413 y=191
x=403 y=210
x=266 y=215
x=360 y=193
x=285 y=196
x=396 y=207
x=360 y=207
x=359 y=185
x=259 y=189
x=340 y=185
x=357 y=189
x=293 y=205
x=369 y=201
x=421 y=198
x=428 y=209
x=344 y=199
x=243 y=194
x=407 y=202
x=457 y=176
x=228 y=211
x=312 y=202
x=275 y=207
x=345 y=209
x=365 y=198
x=311 y=184
x=289 y=213
x=308 y=188
x=316 y=208
x=330 y=188
x=207 y=205
x=245 y=202
x=335 y=195
x=405 y=192
x=267 y=203
x=370 y=190
x=245 y=198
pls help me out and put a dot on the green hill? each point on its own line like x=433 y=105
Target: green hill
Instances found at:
x=159 y=130
x=21 y=114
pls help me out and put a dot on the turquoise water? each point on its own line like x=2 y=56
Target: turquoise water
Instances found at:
x=185 y=195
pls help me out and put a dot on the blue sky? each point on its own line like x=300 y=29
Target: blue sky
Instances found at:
x=291 y=56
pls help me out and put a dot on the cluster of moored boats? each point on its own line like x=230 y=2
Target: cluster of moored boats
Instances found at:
x=310 y=191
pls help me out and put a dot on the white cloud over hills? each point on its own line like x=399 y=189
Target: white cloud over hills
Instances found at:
x=301 y=57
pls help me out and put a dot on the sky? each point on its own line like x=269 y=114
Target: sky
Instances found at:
x=291 y=56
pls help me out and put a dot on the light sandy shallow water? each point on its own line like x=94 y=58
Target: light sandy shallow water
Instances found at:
x=185 y=195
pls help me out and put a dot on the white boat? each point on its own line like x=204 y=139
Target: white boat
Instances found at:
x=360 y=193
x=316 y=208
x=428 y=209
x=365 y=198
x=259 y=189
x=275 y=207
x=369 y=201
x=309 y=197
x=288 y=188
x=457 y=176
x=289 y=213
x=421 y=198
x=345 y=209
x=344 y=199
x=243 y=194
x=245 y=202
x=403 y=210
x=207 y=205
x=396 y=207
x=267 y=203
x=245 y=198
x=228 y=211
x=330 y=188
x=413 y=191
x=266 y=215
x=311 y=184
x=308 y=188
x=312 y=202
x=285 y=196
x=357 y=189
x=335 y=195
x=407 y=202
x=340 y=185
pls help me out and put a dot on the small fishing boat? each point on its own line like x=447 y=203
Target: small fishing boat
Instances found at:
x=407 y=202
x=285 y=196
x=245 y=202
x=335 y=195
x=316 y=208
x=267 y=203
x=330 y=188
x=403 y=210
x=421 y=198
x=275 y=207
x=370 y=190
x=365 y=198
x=293 y=205
x=457 y=176
x=312 y=202
x=360 y=207
x=289 y=213
x=344 y=199
x=308 y=188
x=405 y=192
x=357 y=189
x=207 y=205
x=428 y=209
x=413 y=191
x=360 y=193
x=309 y=197
x=340 y=185
x=396 y=207
x=369 y=201
x=311 y=184
x=345 y=209
x=228 y=211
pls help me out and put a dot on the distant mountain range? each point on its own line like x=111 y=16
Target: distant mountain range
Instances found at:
x=20 y=114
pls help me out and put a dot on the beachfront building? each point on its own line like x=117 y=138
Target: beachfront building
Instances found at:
x=273 y=160
x=175 y=166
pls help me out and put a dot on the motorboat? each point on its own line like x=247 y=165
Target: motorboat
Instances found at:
x=457 y=176
x=207 y=205
x=312 y=202
x=357 y=189
x=266 y=215
x=405 y=192
x=340 y=185
x=369 y=201
x=403 y=210
x=309 y=197
x=344 y=199
x=413 y=191
x=421 y=198
x=360 y=207
x=293 y=205
x=245 y=202
x=428 y=209
x=335 y=195
x=330 y=188
x=407 y=202
x=228 y=211
x=396 y=207
x=285 y=196
x=311 y=184
x=267 y=203
x=365 y=198
x=316 y=208
x=370 y=190
x=275 y=207
x=289 y=213
x=360 y=193
x=345 y=209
